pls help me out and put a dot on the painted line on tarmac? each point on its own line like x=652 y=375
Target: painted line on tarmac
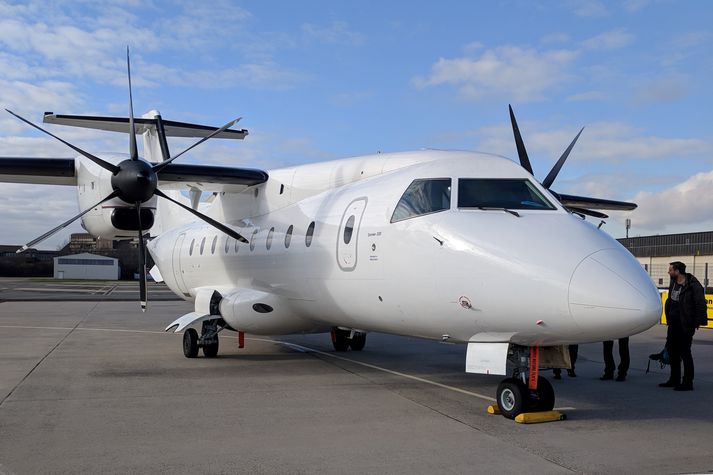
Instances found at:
x=390 y=371
x=379 y=368
x=304 y=349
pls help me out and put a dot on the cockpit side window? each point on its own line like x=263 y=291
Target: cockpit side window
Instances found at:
x=423 y=196
x=509 y=193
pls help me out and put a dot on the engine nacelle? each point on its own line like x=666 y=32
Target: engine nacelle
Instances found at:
x=114 y=219
x=261 y=313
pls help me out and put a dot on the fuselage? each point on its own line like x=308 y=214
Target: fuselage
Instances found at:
x=328 y=243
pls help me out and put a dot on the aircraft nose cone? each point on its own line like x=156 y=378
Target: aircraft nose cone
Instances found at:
x=611 y=296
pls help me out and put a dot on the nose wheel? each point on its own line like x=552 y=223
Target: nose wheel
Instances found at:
x=526 y=391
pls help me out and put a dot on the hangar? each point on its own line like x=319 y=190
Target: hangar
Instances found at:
x=86 y=266
x=656 y=252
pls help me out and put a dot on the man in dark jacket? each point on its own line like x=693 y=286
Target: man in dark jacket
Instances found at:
x=685 y=311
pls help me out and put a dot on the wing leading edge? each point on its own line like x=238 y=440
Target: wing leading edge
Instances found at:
x=61 y=171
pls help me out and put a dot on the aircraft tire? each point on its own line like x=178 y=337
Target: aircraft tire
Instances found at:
x=190 y=343
x=512 y=396
x=340 y=339
x=358 y=341
x=543 y=398
x=211 y=351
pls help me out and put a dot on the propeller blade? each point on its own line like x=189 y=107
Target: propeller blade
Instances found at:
x=51 y=232
x=162 y=165
x=205 y=218
x=143 y=297
x=133 y=151
x=521 y=152
x=104 y=164
x=556 y=169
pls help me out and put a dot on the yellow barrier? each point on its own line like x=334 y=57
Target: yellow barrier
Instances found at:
x=709 y=304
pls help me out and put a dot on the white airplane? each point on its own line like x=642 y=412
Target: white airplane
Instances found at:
x=454 y=246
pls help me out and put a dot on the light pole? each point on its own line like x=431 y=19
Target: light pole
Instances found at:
x=628 y=225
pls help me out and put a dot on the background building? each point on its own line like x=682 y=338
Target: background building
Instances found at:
x=86 y=266
x=656 y=252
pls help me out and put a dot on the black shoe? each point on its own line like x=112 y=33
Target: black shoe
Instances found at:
x=684 y=387
x=571 y=373
x=621 y=377
x=607 y=377
x=668 y=384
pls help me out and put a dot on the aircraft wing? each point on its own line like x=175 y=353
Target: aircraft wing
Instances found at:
x=572 y=201
x=61 y=171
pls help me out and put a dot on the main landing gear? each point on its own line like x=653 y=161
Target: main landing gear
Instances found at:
x=343 y=339
x=526 y=391
x=208 y=340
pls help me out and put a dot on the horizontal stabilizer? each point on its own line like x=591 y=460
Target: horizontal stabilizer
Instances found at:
x=141 y=125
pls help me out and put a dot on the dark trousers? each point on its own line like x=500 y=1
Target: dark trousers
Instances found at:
x=678 y=343
x=609 y=364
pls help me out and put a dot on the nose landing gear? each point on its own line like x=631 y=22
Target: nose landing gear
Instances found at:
x=526 y=391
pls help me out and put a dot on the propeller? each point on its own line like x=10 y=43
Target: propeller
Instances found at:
x=552 y=175
x=135 y=181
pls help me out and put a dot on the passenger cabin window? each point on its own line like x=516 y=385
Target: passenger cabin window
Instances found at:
x=190 y=251
x=227 y=245
x=508 y=193
x=202 y=245
x=423 y=196
x=212 y=246
x=252 y=240
x=288 y=236
x=310 y=233
x=268 y=242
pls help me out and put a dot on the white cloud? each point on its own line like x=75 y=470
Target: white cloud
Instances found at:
x=666 y=89
x=609 y=40
x=689 y=203
x=519 y=74
x=555 y=38
x=600 y=141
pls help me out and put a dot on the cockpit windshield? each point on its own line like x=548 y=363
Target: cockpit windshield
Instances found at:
x=423 y=196
x=500 y=193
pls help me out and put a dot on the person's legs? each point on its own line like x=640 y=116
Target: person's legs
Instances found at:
x=624 y=358
x=573 y=351
x=608 y=351
x=687 y=358
x=673 y=344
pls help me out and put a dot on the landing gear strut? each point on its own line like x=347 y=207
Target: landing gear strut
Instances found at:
x=526 y=391
x=208 y=339
x=343 y=339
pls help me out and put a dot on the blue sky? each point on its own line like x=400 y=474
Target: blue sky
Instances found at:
x=324 y=80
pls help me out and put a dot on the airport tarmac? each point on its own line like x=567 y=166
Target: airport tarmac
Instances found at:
x=97 y=386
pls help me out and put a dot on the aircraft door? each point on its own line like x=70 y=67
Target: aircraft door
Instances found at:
x=348 y=234
x=177 y=270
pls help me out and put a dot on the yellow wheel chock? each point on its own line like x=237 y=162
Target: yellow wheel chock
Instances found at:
x=532 y=417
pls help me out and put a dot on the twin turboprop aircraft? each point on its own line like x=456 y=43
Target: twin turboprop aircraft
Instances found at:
x=462 y=247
